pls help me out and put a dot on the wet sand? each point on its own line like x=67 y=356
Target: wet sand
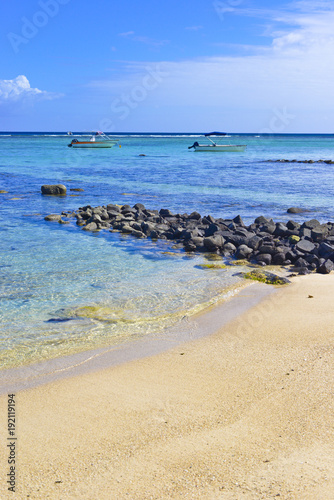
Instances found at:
x=246 y=412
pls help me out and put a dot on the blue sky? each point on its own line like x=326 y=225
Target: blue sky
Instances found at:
x=168 y=66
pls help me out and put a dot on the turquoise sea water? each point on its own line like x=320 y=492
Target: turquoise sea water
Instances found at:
x=64 y=290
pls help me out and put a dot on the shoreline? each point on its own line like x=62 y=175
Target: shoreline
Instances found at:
x=203 y=323
x=243 y=413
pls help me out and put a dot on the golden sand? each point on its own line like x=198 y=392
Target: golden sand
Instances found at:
x=246 y=413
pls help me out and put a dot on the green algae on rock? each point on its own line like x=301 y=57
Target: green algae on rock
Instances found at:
x=266 y=277
x=239 y=262
x=294 y=239
x=213 y=256
x=211 y=266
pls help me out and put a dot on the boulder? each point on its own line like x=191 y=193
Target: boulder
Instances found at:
x=126 y=228
x=264 y=258
x=169 y=234
x=300 y=262
x=164 y=212
x=243 y=252
x=53 y=217
x=112 y=214
x=296 y=210
x=84 y=214
x=193 y=244
x=147 y=228
x=104 y=215
x=113 y=208
x=262 y=220
x=235 y=239
x=97 y=210
x=278 y=259
x=305 y=246
x=326 y=267
x=305 y=232
x=136 y=226
x=292 y=225
x=197 y=241
x=266 y=277
x=229 y=249
x=212 y=229
x=325 y=249
x=154 y=234
x=139 y=207
x=195 y=216
x=319 y=233
x=238 y=220
x=190 y=233
x=294 y=239
x=303 y=271
x=208 y=219
x=94 y=218
x=91 y=226
x=127 y=210
x=268 y=228
x=54 y=189
x=213 y=243
x=254 y=242
x=270 y=249
x=178 y=230
x=138 y=234
x=311 y=224
x=281 y=230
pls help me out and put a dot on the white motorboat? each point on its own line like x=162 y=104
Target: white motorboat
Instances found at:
x=97 y=140
x=221 y=148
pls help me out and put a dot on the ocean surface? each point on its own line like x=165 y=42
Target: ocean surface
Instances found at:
x=64 y=290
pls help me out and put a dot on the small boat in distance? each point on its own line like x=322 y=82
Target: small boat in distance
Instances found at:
x=103 y=141
x=222 y=148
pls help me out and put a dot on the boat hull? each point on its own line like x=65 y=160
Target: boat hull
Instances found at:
x=92 y=145
x=221 y=148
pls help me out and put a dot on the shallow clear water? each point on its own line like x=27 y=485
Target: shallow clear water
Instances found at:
x=63 y=289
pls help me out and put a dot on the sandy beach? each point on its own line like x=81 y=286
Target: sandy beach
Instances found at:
x=245 y=413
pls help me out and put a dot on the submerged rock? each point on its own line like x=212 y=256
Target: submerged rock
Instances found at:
x=54 y=189
x=53 y=217
x=296 y=210
x=211 y=266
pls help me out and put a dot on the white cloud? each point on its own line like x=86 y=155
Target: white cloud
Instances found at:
x=298 y=63
x=313 y=32
x=19 y=90
x=127 y=34
x=295 y=72
x=143 y=39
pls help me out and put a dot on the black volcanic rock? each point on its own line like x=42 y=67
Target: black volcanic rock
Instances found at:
x=309 y=246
